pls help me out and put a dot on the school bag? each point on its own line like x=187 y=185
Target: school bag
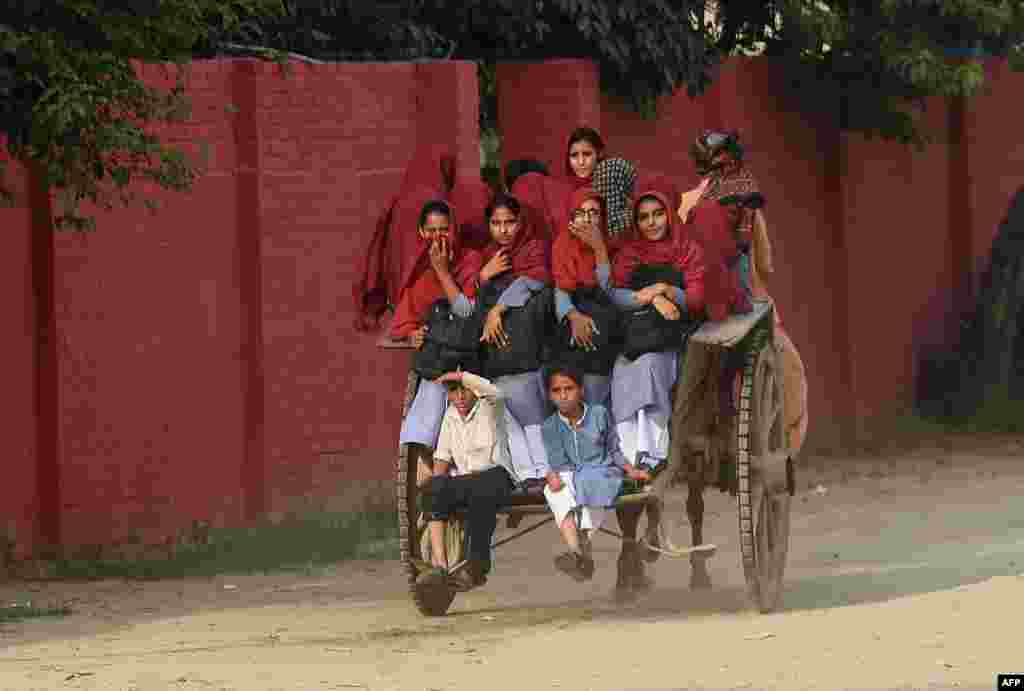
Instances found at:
x=529 y=329
x=452 y=342
x=607 y=339
x=645 y=330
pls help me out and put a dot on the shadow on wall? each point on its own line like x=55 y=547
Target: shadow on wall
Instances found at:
x=984 y=370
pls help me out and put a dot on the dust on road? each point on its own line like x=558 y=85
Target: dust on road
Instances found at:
x=902 y=573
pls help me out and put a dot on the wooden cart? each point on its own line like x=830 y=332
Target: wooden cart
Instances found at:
x=745 y=455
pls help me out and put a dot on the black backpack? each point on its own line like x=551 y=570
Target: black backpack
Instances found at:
x=529 y=328
x=645 y=330
x=452 y=342
x=595 y=303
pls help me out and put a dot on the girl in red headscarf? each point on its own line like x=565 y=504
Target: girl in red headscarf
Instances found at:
x=544 y=196
x=712 y=224
x=393 y=250
x=584 y=150
x=641 y=388
x=443 y=270
x=516 y=268
x=580 y=260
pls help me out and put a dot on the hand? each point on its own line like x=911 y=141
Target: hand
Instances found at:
x=449 y=376
x=417 y=337
x=440 y=255
x=498 y=264
x=636 y=474
x=554 y=481
x=666 y=308
x=646 y=295
x=494 y=329
x=583 y=330
x=690 y=199
x=589 y=233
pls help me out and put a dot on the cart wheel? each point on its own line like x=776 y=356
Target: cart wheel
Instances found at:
x=411 y=469
x=763 y=469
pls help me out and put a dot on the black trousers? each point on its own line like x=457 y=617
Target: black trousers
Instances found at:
x=480 y=494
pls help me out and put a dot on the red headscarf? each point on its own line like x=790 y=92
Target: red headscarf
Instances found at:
x=470 y=195
x=676 y=248
x=545 y=196
x=393 y=251
x=573 y=263
x=529 y=252
x=422 y=288
x=431 y=164
x=712 y=228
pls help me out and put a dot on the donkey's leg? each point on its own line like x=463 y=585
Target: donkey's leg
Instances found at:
x=695 y=512
x=629 y=558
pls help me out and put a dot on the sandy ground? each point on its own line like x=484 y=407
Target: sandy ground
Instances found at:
x=903 y=573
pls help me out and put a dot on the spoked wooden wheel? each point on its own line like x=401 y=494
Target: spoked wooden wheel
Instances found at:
x=763 y=469
x=412 y=469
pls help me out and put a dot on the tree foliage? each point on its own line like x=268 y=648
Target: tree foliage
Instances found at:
x=72 y=106
x=873 y=64
x=645 y=48
x=870 y=63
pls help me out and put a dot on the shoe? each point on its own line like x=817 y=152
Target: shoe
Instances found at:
x=435 y=576
x=573 y=565
x=473 y=575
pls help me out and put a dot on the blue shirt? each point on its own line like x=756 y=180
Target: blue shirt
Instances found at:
x=591 y=450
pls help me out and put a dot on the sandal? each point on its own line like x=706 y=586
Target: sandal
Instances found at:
x=573 y=565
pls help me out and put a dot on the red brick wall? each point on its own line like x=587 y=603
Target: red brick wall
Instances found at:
x=18 y=491
x=539 y=104
x=874 y=243
x=149 y=320
x=206 y=368
x=995 y=155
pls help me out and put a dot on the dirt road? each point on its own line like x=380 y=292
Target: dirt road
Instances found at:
x=907 y=580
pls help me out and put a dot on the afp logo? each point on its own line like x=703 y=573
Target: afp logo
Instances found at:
x=1010 y=681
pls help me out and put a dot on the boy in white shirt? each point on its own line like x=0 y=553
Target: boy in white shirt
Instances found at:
x=470 y=471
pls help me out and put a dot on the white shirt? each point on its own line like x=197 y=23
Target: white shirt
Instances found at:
x=479 y=441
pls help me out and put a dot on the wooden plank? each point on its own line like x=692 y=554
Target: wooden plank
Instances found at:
x=730 y=331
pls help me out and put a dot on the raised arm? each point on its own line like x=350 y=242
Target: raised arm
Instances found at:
x=483 y=388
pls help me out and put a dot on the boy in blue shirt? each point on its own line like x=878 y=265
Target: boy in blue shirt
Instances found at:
x=587 y=467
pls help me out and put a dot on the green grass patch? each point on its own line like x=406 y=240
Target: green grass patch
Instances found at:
x=18 y=611
x=997 y=414
x=304 y=545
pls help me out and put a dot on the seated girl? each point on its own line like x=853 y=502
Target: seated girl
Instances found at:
x=641 y=387
x=517 y=270
x=587 y=467
x=443 y=271
x=581 y=268
x=583 y=152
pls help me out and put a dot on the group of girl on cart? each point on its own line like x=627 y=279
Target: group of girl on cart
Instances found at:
x=569 y=296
